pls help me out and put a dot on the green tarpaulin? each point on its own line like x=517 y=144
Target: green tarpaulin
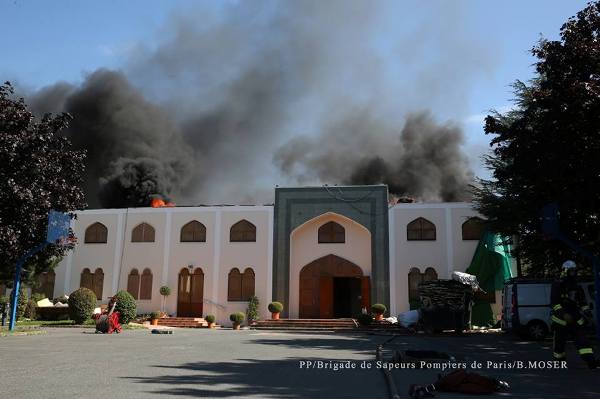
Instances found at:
x=491 y=266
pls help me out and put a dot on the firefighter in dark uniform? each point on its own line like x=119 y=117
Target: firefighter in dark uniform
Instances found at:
x=569 y=314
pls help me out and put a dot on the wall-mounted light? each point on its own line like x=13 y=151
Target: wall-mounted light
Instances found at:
x=191 y=267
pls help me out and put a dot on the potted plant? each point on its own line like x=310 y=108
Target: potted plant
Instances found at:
x=237 y=318
x=165 y=291
x=378 y=309
x=210 y=319
x=154 y=316
x=275 y=308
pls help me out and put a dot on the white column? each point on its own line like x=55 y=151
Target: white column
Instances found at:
x=449 y=242
x=392 y=250
x=216 y=257
x=167 y=247
x=69 y=266
x=68 y=276
x=270 y=238
x=119 y=234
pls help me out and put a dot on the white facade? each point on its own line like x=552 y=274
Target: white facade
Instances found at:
x=217 y=256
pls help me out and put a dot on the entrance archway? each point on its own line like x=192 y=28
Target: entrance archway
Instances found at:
x=190 y=293
x=332 y=287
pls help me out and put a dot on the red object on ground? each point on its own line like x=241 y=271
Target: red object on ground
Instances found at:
x=108 y=321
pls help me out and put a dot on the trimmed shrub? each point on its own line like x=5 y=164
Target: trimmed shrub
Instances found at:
x=378 y=308
x=126 y=306
x=275 y=307
x=210 y=318
x=155 y=314
x=364 y=319
x=237 y=317
x=252 y=312
x=165 y=290
x=82 y=303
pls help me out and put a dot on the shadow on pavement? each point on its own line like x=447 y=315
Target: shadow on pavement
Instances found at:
x=262 y=379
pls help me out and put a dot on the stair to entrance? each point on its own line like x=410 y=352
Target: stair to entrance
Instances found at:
x=183 y=322
x=306 y=324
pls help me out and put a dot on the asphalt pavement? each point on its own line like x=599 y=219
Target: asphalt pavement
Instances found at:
x=76 y=363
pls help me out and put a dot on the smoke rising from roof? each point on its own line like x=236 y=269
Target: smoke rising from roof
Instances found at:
x=230 y=102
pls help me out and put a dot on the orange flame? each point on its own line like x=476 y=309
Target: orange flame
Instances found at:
x=159 y=203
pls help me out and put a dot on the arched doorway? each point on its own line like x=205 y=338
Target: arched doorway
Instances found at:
x=332 y=287
x=190 y=293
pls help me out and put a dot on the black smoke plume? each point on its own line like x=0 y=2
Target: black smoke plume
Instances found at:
x=424 y=159
x=227 y=103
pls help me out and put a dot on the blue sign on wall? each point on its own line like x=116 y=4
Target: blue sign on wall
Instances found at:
x=58 y=226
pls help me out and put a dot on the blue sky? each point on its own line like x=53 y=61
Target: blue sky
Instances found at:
x=43 y=42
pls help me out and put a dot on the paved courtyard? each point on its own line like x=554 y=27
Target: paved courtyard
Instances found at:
x=75 y=363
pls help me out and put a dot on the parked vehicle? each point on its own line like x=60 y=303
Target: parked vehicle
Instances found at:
x=526 y=306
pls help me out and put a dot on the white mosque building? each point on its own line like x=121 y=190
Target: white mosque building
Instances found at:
x=325 y=252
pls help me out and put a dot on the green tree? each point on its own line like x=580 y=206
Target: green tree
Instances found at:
x=38 y=172
x=546 y=149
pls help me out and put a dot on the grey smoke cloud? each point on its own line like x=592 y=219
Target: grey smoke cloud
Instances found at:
x=227 y=104
x=423 y=159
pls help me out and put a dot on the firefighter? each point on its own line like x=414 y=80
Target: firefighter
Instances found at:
x=569 y=313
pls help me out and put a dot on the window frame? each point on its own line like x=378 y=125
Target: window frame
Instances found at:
x=421 y=229
x=87 y=239
x=190 y=224
x=247 y=235
x=330 y=232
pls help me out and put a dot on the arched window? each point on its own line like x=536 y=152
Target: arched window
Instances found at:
x=193 y=231
x=242 y=231
x=420 y=229
x=96 y=233
x=240 y=286
x=146 y=285
x=234 y=285
x=430 y=274
x=472 y=229
x=86 y=279
x=247 y=284
x=45 y=284
x=98 y=283
x=133 y=283
x=332 y=232
x=143 y=232
x=414 y=279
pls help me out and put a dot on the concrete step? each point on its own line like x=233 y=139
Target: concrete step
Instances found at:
x=183 y=322
x=305 y=324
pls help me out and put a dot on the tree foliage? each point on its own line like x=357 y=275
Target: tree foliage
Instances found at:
x=38 y=172
x=546 y=149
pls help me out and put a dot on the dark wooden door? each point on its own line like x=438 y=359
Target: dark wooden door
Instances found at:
x=365 y=293
x=325 y=297
x=312 y=293
x=190 y=293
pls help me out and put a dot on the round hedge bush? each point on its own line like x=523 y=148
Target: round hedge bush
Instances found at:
x=165 y=290
x=237 y=317
x=364 y=319
x=155 y=314
x=82 y=303
x=378 y=308
x=275 y=307
x=210 y=318
x=126 y=306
